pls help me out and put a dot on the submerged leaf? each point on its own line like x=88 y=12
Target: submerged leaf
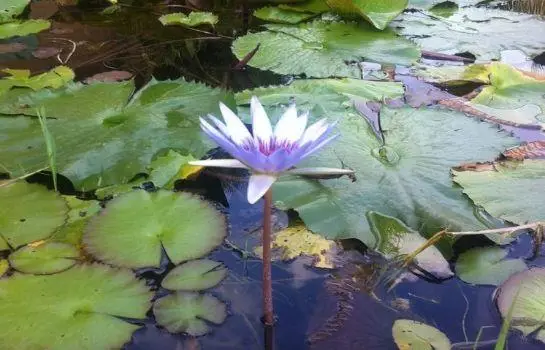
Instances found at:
x=414 y=335
x=487 y=266
x=22 y=28
x=189 y=312
x=76 y=309
x=194 y=19
x=28 y=212
x=322 y=49
x=135 y=226
x=195 y=275
x=47 y=258
x=525 y=290
x=100 y=144
x=506 y=189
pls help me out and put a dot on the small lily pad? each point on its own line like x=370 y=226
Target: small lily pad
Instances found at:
x=487 y=265
x=11 y=8
x=414 y=335
x=194 y=19
x=278 y=15
x=28 y=212
x=79 y=308
x=195 y=275
x=46 y=258
x=22 y=28
x=135 y=226
x=525 y=290
x=189 y=312
x=55 y=78
x=377 y=12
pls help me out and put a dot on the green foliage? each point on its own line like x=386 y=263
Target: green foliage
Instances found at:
x=55 y=78
x=322 y=49
x=46 y=258
x=377 y=12
x=278 y=15
x=194 y=19
x=195 y=275
x=22 y=28
x=414 y=335
x=136 y=226
x=11 y=8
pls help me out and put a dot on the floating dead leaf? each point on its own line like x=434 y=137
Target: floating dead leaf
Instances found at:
x=297 y=240
x=530 y=150
x=46 y=52
x=109 y=77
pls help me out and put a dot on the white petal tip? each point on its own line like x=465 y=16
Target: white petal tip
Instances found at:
x=258 y=185
x=219 y=163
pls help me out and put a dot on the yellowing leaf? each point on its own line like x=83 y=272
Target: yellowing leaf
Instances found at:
x=189 y=171
x=298 y=240
x=4 y=266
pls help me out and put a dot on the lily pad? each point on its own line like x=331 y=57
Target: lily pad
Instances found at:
x=378 y=12
x=408 y=177
x=46 y=258
x=189 y=312
x=495 y=30
x=28 y=212
x=22 y=28
x=414 y=335
x=11 y=8
x=506 y=189
x=323 y=49
x=55 y=78
x=487 y=266
x=78 y=216
x=278 y=15
x=195 y=275
x=75 y=309
x=310 y=6
x=194 y=19
x=100 y=144
x=136 y=226
x=525 y=290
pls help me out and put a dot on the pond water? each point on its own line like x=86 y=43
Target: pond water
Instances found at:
x=350 y=306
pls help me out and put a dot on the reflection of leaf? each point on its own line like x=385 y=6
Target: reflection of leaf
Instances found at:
x=75 y=309
x=100 y=144
x=321 y=49
x=188 y=312
x=194 y=19
x=414 y=335
x=195 y=275
x=525 y=290
x=378 y=12
x=46 y=258
x=22 y=28
x=487 y=266
x=135 y=226
x=495 y=30
x=28 y=212
x=507 y=190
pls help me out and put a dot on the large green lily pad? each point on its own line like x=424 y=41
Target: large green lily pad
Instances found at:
x=414 y=335
x=104 y=143
x=22 y=28
x=487 y=265
x=507 y=190
x=323 y=49
x=28 y=212
x=195 y=275
x=75 y=309
x=525 y=290
x=377 y=12
x=189 y=312
x=11 y=8
x=407 y=178
x=46 y=258
x=494 y=30
x=135 y=226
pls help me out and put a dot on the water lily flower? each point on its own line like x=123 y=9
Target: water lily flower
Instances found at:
x=268 y=153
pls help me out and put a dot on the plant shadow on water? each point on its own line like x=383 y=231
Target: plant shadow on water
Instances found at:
x=349 y=307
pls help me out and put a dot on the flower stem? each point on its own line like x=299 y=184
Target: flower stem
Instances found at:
x=268 y=315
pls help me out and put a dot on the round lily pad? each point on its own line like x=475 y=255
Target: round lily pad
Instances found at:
x=409 y=335
x=28 y=212
x=75 y=309
x=188 y=312
x=195 y=275
x=525 y=290
x=487 y=265
x=50 y=257
x=135 y=226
